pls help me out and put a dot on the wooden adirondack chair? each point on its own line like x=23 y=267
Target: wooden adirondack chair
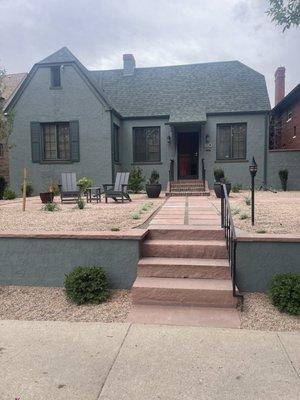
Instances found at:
x=119 y=189
x=69 y=191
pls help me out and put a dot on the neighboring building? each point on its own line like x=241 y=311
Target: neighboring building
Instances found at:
x=284 y=139
x=10 y=85
x=95 y=123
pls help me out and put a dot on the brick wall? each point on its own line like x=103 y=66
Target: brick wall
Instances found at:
x=290 y=128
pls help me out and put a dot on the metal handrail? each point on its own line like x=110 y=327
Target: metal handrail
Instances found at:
x=171 y=170
x=230 y=237
x=203 y=173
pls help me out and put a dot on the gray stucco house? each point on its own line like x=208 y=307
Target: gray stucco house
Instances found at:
x=96 y=123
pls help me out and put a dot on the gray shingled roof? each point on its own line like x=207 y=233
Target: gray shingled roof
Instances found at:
x=214 y=87
x=186 y=93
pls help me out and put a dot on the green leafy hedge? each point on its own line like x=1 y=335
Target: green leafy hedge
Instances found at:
x=87 y=285
x=284 y=293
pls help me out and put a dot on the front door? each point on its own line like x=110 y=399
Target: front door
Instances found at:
x=188 y=150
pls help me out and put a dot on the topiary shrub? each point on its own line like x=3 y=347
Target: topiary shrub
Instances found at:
x=29 y=190
x=9 y=194
x=2 y=186
x=284 y=292
x=219 y=174
x=87 y=285
x=136 y=180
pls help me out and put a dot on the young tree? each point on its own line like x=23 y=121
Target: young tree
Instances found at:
x=6 y=119
x=285 y=12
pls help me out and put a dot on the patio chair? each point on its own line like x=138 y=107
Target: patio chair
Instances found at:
x=69 y=190
x=119 y=189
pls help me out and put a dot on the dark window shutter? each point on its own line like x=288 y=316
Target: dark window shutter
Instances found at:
x=36 y=139
x=74 y=139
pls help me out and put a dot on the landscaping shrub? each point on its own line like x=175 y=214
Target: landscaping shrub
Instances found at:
x=235 y=211
x=136 y=180
x=284 y=292
x=2 y=186
x=80 y=204
x=51 y=207
x=54 y=189
x=236 y=188
x=261 y=231
x=9 y=194
x=243 y=216
x=247 y=201
x=283 y=175
x=115 y=229
x=154 y=177
x=29 y=189
x=84 y=183
x=219 y=174
x=136 y=216
x=87 y=285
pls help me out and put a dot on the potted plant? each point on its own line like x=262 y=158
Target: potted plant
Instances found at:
x=153 y=188
x=47 y=197
x=219 y=179
x=283 y=175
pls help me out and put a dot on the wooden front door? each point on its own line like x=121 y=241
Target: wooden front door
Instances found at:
x=188 y=152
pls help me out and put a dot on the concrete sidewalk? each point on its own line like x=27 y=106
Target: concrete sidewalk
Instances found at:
x=90 y=361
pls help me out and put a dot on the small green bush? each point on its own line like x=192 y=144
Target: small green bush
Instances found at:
x=247 y=201
x=29 y=189
x=84 y=183
x=115 y=229
x=236 y=188
x=87 y=285
x=80 y=204
x=283 y=175
x=136 y=180
x=51 y=207
x=136 y=216
x=284 y=292
x=244 y=216
x=9 y=194
x=55 y=189
x=2 y=186
x=219 y=174
x=235 y=211
x=261 y=231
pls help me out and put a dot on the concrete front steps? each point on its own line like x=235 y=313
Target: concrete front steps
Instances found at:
x=183 y=278
x=193 y=187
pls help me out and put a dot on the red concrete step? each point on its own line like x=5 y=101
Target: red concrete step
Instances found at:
x=185 y=248
x=187 y=292
x=186 y=232
x=186 y=316
x=193 y=268
x=184 y=193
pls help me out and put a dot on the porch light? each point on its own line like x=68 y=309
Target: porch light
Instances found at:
x=253 y=171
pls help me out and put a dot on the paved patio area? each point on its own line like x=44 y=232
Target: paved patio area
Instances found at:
x=90 y=361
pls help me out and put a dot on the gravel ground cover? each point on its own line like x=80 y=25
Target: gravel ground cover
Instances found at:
x=50 y=304
x=95 y=217
x=274 y=212
x=42 y=303
x=259 y=314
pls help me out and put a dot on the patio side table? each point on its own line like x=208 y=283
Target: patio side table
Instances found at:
x=93 y=193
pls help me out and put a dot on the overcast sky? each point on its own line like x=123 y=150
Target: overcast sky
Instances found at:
x=157 y=32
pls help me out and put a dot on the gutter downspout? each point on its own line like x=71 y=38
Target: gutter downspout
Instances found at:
x=265 y=176
x=112 y=146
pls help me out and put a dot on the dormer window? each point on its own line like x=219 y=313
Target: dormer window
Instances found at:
x=55 y=77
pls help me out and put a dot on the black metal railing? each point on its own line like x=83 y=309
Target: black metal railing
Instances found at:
x=203 y=173
x=171 y=170
x=230 y=237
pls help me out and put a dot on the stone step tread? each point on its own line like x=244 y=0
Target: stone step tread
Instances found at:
x=183 y=284
x=185 y=316
x=161 y=261
x=175 y=242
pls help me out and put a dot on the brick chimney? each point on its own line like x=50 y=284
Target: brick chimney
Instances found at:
x=279 y=84
x=128 y=64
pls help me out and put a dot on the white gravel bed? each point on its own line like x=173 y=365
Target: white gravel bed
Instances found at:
x=51 y=304
x=95 y=217
x=260 y=314
x=274 y=212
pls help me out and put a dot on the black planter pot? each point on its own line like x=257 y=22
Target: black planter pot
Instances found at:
x=153 y=190
x=219 y=190
x=47 y=197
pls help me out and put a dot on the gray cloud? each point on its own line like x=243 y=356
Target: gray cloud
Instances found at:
x=158 y=32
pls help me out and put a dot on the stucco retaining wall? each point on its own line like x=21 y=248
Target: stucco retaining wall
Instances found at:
x=289 y=160
x=260 y=258
x=43 y=259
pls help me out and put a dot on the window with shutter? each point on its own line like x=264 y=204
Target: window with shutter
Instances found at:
x=146 y=144
x=56 y=141
x=231 y=141
x=116 y=131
